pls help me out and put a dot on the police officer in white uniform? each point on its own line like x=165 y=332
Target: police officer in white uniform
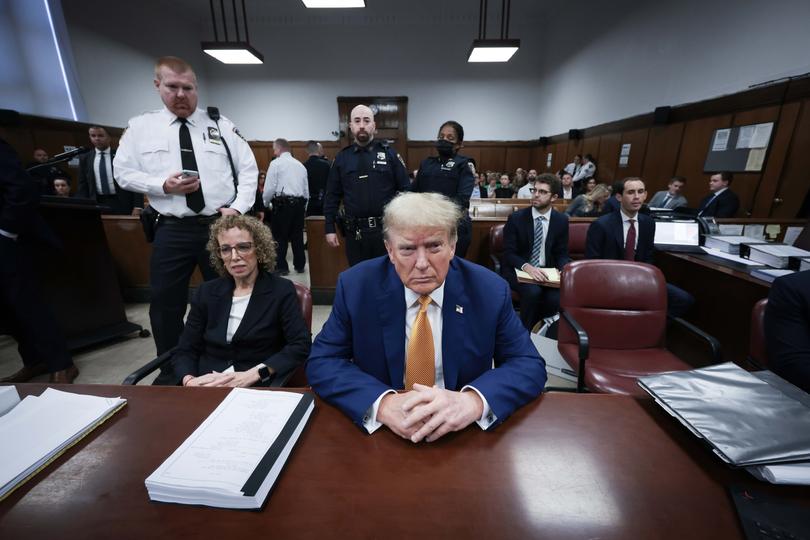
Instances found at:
x=178 y=157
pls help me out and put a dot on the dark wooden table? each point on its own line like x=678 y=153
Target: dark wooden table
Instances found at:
x=566 y=466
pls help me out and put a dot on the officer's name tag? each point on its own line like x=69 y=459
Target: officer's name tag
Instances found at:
x=213 y=135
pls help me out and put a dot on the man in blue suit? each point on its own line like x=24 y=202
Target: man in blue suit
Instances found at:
x=535 y=238
x=630 y=235
x=428 y=325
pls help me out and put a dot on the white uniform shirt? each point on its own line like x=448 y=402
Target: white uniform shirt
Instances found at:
x=150 y=152
x=585 y=171
x=286 y=177
x=524 y=193
x=434 y=315
x=108 y=166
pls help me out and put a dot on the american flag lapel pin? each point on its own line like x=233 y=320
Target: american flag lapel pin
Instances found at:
x=459 y=309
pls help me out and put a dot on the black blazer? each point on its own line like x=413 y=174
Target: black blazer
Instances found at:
x=724 y=206
x=518 y=240
x=125 y=200
x=317 y=173
x=787 y=328
x=575 y=191
x=605 y=238
x=272 y=332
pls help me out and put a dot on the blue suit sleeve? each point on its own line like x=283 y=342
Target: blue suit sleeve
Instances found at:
x=331 y=371
x=511 y=258
x=520 y=372
x=560 y=248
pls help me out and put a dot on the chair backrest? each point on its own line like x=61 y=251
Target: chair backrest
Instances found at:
x=620 y=304
x=757 y=349
x=305 y=299
x=496 y=246
x=577 y=234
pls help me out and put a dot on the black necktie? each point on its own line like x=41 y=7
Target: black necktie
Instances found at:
x=195 y=199
x=104 y=180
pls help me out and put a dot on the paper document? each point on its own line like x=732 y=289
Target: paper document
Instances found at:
x=552 y=273
x=791 y=234
x=9 y=398
x=745 y=136
x=756 y=159
x=244 y=442
x=721 y=140
x=730 y=257
x=762 y=135
x=788 y=473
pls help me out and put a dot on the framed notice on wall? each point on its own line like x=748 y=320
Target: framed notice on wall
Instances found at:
x=739 y=149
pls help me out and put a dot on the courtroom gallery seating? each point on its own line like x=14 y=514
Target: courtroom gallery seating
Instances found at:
x=297 y=378
x=613 y=331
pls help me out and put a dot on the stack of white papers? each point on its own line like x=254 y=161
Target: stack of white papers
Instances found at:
x=40 y=428
x=783 y=473
x=775 y=255
x=235 y=456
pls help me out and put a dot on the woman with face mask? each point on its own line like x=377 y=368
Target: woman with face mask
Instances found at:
x=450 y=174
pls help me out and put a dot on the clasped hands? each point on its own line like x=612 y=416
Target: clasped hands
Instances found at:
x=427 y=413
x=235 y=379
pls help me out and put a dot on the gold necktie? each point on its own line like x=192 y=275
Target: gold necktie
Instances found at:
x=420 y=360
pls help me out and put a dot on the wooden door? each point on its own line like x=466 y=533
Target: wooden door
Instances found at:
x=390 y=116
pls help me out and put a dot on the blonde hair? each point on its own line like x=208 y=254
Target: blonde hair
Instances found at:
x=598 y=191
x=263 y=241
x=174 y=63
x=421 y=210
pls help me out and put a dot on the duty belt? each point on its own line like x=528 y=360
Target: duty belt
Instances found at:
x=371 y=222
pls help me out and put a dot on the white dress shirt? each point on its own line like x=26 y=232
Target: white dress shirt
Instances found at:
x=626 y=227
x=150 y=152
x=434 y=315
x=239 y=306
x=286 y=177
x=568 y=192
x=572 y=168
x=585 y=171
x=524 y=193
x=547 y=215
x=97 y=170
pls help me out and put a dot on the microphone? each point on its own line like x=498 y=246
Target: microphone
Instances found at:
x=70 y=154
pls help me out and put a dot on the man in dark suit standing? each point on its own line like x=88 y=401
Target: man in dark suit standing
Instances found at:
x=317 y=172
x=721 y=202
x=787 y=328
x=630 y=235
x=535 y=238
x=22 y=312
x=96 y=177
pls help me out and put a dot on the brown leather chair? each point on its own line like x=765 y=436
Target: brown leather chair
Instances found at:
x=496 y=254
x=298 y=378
x=757 y=350
x=613 y=325
x=577 y=234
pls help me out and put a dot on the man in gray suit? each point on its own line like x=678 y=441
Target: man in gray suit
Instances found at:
x=671 y=198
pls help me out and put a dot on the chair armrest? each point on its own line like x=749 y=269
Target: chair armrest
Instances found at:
x=134 y=377
x=713 y=343
x=584 y=347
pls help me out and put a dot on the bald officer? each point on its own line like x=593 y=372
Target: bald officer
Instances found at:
x=365 y=175
x=179 y=157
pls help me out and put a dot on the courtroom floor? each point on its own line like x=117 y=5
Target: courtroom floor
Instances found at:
x=111 y=362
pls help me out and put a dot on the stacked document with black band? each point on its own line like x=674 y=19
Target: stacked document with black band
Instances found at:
x=749 y=420
x=235 y=456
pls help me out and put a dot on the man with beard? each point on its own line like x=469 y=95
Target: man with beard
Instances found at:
x=365 y=175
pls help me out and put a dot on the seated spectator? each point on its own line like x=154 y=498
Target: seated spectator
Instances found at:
x=505 y=190
x=44 y=175
x=530 y=176
x=614 y=202
x=586 y=170
x=61 y=187
x=479 y=188
x=492 y=184
x=567 y=189
x=249 y=319
x=671 y=197
x=721 y=202
x=590 y=183
x=787 y=328
x=525 y=192
x=445 y=335
x=535 y=238
x=629 y=235
x=591 y=204
x=519 y=179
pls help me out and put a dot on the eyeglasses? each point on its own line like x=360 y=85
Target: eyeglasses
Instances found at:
x=242 y=248
x=540 y=191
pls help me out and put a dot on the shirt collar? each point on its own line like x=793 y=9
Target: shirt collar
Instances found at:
x=172 y=118
x=537 y=213
x=625 y=217
x=719 y=191
x=107 y=150
x=437 y=296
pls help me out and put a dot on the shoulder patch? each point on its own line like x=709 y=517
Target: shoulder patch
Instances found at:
x=471 y=165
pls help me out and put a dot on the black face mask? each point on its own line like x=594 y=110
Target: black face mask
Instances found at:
x=445 y=148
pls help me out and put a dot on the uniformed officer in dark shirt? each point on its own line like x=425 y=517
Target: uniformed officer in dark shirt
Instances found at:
x=317 y=172
x=365 y=176
x=452 y=175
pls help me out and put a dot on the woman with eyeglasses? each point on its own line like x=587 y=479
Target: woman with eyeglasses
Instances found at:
x=245 y=328
x=452 y=175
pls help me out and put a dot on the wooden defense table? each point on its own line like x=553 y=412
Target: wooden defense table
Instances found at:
x=565 y=466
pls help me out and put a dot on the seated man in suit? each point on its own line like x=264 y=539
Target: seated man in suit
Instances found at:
x=96 y=177
x=787 y=328
x=535 y=238
x=421 y=320
x=567 y=189
x=613 y=204
x=721 y=202
x=616 y=236
x=671 y=197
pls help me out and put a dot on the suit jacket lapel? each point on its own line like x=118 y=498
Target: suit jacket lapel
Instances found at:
x=222 y=298
x=257 y=305
x=391 y=309
x=618 y=231
x=454 y=326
